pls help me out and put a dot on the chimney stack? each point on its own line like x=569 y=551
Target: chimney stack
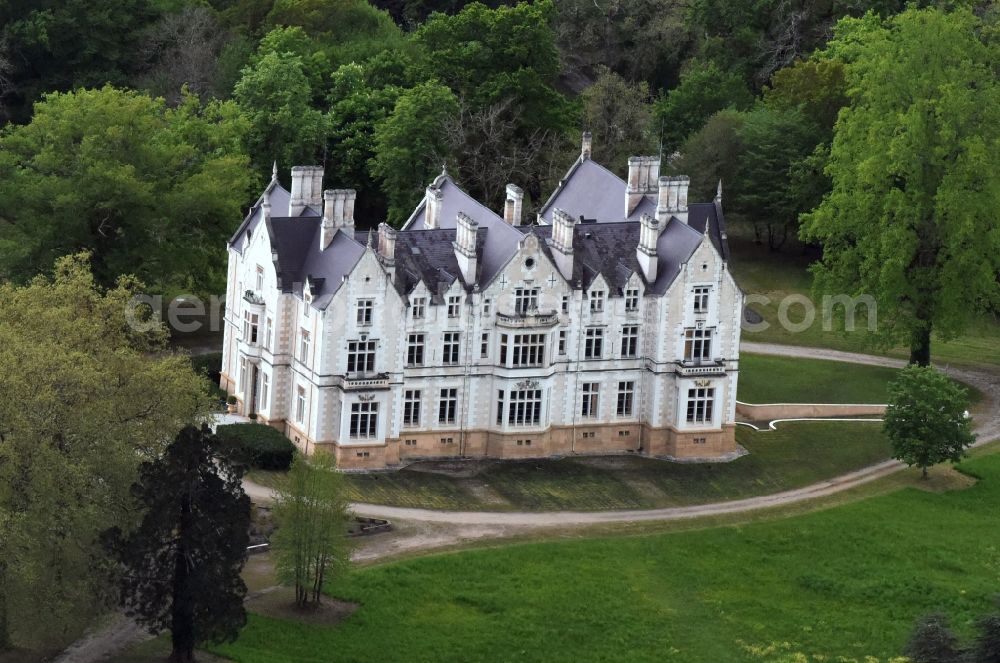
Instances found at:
x=387 y=248
x=338 y=213
x=432 y=208
x=643 y=173
x=672 y=198
x=586 y=144
x=645 y=253
x=307 y=189
x=562 y=242
x=513 y=205
x=465 y=247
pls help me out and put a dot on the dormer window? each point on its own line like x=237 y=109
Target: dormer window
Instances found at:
x=454 y=306
x=632 y=300
x=365 y=309
x=260 y=278
x=525 y=300
x=700 y=295
x=419 y=307
x=596 y=301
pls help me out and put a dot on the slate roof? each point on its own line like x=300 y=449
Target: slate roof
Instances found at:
x=605 y=244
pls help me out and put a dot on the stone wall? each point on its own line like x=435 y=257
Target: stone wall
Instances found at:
x=772 y=411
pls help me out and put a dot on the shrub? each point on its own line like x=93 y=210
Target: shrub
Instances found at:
x=231 y=399
x=256 y=445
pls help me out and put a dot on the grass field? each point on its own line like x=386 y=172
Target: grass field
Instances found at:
x=776 y=275
x=797 y=454
x=771 y=379
x=846 y=582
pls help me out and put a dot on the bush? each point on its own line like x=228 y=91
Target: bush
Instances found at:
x=256 y=445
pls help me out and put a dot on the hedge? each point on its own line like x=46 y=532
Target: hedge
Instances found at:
x=257 y=445
x=208 y=364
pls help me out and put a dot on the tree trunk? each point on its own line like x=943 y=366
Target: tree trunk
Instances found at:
x=924 y=468
x=920 y=346
x=5 y=642
x=182 y=609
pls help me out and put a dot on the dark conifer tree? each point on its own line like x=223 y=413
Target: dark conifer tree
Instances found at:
x=182 y=564
x=933 y=641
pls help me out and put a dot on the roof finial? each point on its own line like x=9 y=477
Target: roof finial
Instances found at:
x=444 y=168
x=274 y=172
x=718 y=192
x=371 y=243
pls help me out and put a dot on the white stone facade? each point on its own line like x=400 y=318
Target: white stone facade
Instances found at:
x=470 y=335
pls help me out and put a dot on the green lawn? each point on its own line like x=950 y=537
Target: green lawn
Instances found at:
x=844 y=582
x=775 y=275
x=797 y=454
x=772 y=379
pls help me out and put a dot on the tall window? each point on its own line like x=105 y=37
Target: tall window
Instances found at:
x=565 y=303
x=449 y=354
x=626 y=399
x=500 y=407
x=562 y=342
x=269 y=334
x=503 y=349
x=632 y=299
x=419 y=307
x=596 y=301
x=448 y=406
x=243 y=374
x=454 y=306
x=487 y=307
x=525 y=299
x=361 y=356
x=525 y=407
x=411 y=407
x=630 y=341
x=484 y=345
x=251 y=321
x=265 y=387
x=260 y=278
x=415 y=350
x=591 y=399
x=300 y=405
x=593 y=346
x=700 y=294
x=697 y=345
x=528 y=350
x=304 y=340
x=365 y=309
x=364 y=420
x=701 y=401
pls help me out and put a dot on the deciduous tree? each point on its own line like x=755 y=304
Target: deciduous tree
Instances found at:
x=148 y=190
x=182 y=564
x=926 y=420
x=619 y=115
x=911 y=217
x=310 y=510
x=83 y=401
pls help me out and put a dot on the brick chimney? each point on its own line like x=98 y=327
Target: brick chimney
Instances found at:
x=387 y=248
x=307 y=189
x=562 y=242
x=465 y=247
x=643 y=173
x=645 y=253
x=432 y=208
x=513 y=205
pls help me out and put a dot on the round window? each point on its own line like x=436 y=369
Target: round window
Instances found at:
x=529 y=263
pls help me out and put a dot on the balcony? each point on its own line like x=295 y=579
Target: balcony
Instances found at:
x=365 y=382
x=691 y=367
x=529 y=318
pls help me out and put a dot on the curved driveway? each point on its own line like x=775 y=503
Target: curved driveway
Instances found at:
x=987 y=428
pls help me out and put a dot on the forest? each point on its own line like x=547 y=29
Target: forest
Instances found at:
x=132 y=124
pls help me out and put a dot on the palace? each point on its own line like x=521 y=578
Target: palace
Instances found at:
x=610 y=324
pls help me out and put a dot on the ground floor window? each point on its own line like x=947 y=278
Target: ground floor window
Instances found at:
x=300 y=405
x=525 y=407
x=591 y=396
x=265 y=387
x=411 y=407
x=701 y=402
x=448 y=406
x=364 y=420
x=626 y=399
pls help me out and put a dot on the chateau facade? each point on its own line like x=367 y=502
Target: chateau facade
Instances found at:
x=608 y=324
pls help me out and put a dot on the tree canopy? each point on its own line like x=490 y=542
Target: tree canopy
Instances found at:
x=911 y=217
x=146 y=189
